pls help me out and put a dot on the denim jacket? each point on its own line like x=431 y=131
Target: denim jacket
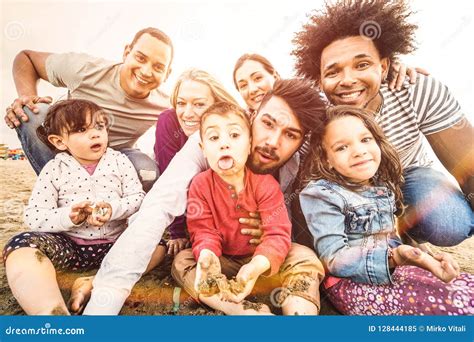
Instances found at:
x=351 y=230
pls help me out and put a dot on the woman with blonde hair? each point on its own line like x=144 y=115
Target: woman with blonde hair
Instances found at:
x=194 y=92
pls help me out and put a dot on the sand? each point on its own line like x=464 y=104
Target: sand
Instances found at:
x=154 y=292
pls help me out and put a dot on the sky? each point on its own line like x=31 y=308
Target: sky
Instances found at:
x=211 y=35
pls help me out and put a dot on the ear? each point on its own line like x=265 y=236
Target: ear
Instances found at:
x=168 y=73
x=385 y=63
x=126 y=51
x=57 y=142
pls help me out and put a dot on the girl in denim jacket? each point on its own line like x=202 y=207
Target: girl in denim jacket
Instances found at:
x=349 y=204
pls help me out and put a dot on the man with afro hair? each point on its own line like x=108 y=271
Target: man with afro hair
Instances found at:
x=346 y=49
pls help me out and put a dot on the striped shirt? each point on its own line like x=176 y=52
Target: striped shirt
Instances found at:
x=423 y=108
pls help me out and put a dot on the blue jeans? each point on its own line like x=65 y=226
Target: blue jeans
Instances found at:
x=39 y=154
x=437 y=211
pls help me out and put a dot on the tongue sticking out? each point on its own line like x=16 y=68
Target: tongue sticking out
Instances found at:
x=225 y=163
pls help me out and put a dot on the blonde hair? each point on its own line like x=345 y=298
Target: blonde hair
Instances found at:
x=217 y=89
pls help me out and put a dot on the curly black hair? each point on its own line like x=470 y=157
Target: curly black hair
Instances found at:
x=382 y=21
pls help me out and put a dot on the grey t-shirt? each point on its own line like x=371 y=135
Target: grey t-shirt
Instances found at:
x=98 y=80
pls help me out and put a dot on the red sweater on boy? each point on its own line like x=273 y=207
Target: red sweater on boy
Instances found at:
x=214 y=209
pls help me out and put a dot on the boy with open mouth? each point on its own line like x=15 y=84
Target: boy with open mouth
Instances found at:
x=217 y=199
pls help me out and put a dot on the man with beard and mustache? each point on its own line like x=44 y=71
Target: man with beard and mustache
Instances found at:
x=286 y=115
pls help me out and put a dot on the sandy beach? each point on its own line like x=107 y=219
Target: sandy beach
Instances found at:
x=153 y=294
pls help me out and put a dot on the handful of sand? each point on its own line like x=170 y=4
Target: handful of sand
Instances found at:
x=98 y=211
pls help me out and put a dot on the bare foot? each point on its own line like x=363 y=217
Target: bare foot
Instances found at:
x=441 y=266
x=80 y=294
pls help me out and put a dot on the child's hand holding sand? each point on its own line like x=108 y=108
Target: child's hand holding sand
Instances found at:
x=101 y=212
x=248 y=275
x=80 y=212
x=442 y=265
x=207 y=264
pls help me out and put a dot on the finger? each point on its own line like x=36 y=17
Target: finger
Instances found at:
x=422 y=71
x=440 y=256
x=9 y=122
x=17 y=107
x=252 y=232
x=255 y=242
x=230 y=297
x=448 y=267
x=27 y=101
x=169 y=247
x=85 y=204
x=10 y=117
x=401 y=76
x=13 y=118
x=254 y=214
x=204 y=263
x=412 y=74
x=175 y=249
x=391 y=84
x=395 y=66
x=253 y=222
x=44 y=99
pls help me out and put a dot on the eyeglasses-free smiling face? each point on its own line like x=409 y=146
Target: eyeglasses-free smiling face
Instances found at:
x=192 y=101
x=351 y=149
x=352 y=72
x=276 y=136
x=253 y=82
x=226 y=144
x=145 y=66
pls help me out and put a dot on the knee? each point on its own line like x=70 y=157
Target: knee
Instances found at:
x=22 y=259
x=146 y=168
x=147 y=178
x=34 y=119
x=302 y=259
x=445 y=226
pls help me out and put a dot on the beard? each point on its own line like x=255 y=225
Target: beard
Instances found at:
x=262 y=169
